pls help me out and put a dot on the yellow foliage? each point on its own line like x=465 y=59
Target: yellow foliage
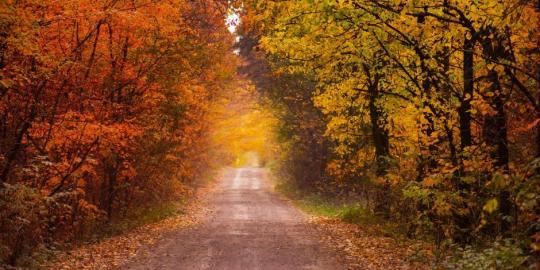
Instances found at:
x=242 y=130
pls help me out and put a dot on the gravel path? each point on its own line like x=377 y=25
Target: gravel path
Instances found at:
x=250 y=228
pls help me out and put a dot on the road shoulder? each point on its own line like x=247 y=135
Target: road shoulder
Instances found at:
x=115 y=251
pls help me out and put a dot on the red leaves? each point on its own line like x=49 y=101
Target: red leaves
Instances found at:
x=103 y=104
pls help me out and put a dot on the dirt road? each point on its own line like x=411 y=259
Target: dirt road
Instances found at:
x=251 y=228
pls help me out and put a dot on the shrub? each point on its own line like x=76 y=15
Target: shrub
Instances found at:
x=499 y=256
x=21 y=221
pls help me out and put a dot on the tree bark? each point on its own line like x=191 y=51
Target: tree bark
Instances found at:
x=495 y=126
x=378 y=118
x=468 y=90
x=379 y=133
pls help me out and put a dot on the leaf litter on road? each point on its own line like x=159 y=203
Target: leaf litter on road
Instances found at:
x=363 y=249
x=113 y=252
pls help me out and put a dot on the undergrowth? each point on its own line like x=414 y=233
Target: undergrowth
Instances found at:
x=348 y=210
x=139 y=217
x=497 y=255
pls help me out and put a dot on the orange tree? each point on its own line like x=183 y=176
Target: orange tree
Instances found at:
x=103 y=107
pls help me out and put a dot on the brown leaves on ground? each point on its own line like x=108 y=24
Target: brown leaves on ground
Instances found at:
x=112 y=252
x=364 y=249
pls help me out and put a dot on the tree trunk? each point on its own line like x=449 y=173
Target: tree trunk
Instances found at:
x=110 y=194
x=538 y=130
x=468 y=88
x=495 y=127
x=496 y=45
x=495 y=135
x=380 y=136
x=379 y=132
x=463 y=222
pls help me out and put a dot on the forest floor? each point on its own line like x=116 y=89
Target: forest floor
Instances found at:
x=240 y=222
x=365 y=248
x=116 y=250
x=364 y=240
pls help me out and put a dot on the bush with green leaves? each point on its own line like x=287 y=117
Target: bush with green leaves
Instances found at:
x=500 y=256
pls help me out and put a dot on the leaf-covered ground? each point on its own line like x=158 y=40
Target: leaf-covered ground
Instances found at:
x=115 y=251
x=364 y=249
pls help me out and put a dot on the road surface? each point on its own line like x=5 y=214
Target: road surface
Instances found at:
x=251 y=228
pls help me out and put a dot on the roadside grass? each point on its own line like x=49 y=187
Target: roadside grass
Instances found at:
x=141 y=216
x=133 y=219
x=506 y=255
x=137 y=217
x=349 y=210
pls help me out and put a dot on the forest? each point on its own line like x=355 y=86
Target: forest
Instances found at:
x=428 y=111
x=104 y=108
x=425 y=114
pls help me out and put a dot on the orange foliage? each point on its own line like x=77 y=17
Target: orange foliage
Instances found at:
x=103 y=107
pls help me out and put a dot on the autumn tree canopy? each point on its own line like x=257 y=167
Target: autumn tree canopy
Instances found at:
x=103 y=107
x=430 y=108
